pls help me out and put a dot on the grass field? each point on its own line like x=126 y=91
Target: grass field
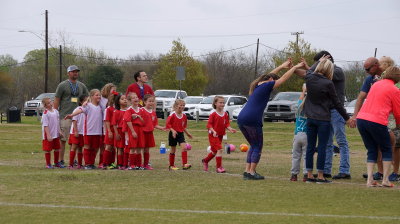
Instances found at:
x=31 y=194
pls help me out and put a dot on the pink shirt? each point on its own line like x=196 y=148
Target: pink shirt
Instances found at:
x=80 y=120
x=51 y=120
x=93 y=119
x=383 y=98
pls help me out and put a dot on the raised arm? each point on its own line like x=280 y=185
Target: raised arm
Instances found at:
x=287 y=75
x=286 y=64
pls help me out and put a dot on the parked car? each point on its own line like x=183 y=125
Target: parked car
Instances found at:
x=165 y=99
x=232 y=102
x=191 y=106
x=236 y=112
x=350 y=107
x=32 y=107
x=282 y=107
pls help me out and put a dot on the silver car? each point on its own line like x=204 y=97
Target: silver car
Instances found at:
x=282 y=107
x=34 y=106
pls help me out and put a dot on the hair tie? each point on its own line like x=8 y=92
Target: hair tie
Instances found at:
x=115 y=93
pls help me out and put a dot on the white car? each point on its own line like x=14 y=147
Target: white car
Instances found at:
x=191 y=106
x=165 y=99
x=232 y=102
x=350 y=107
x=236 y=112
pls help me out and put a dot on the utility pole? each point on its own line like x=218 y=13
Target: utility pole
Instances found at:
x=60 y=62
x=297 y=39
x=376 y=49
x=46 y=67
x=256 y=70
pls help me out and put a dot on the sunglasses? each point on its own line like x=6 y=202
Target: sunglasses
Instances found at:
x=367 y=69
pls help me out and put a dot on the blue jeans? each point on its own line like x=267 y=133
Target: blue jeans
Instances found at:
x=375 y=137
x=338 y=129
x=321 y=130
x=254 y=135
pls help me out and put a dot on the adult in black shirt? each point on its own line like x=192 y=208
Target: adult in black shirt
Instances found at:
x=321 y=98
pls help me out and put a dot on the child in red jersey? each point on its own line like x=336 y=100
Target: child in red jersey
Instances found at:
x=177 y=124
x=93 y=127
x=76 y=136
x=150 y=122
x=117 y=122
x=50 y=133
x=217 y=123
x=106 y=92
x=134 y=127
x=109 y=133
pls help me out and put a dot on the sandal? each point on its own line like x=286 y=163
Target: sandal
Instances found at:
x=391 y=185
x=374 y=184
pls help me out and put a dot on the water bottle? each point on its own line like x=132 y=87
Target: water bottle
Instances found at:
x=162 y=148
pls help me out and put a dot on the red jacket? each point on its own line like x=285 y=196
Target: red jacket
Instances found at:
x=383 y=98
x=136 y=89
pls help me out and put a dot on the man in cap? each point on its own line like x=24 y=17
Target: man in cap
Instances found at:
x=65 y=101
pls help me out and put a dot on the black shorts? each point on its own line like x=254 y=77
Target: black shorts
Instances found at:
x=180 y=138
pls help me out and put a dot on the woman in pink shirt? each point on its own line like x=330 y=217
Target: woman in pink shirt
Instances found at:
x=372 y=120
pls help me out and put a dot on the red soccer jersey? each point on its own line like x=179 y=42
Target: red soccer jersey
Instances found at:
x=117 y=118
x=219 y=122
x=108 y=113
x=150 y=120
x=128 y=117
x=178 y=123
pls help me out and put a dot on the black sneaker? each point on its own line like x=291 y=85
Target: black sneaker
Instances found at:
x=293 y=177
x=327 y=175
x=256 y=176
x=322 y=181
x=310 y=180
x=378 y=176
x=341 y=176
x=365 y=175
x=246 y=176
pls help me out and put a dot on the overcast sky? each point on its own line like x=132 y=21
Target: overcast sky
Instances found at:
x=349 y=29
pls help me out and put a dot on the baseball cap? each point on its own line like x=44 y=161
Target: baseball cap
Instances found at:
x=72 y=68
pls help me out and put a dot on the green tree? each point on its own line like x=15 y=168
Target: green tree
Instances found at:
x=165 y=76
x=296 y=52
x=104 y=74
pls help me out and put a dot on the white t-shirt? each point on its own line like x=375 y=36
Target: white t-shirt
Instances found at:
x=93 y=119
x=51 y=119
x=80 y=120
x=103 y=103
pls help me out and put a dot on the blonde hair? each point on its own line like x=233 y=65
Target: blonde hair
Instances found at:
x=392 y=73
x=105 y=91
x=93 y=92
x=216 y=98
x=129 y=96
x=44 y=100
x=177 y=102
x=385 y=62
x=325 y=67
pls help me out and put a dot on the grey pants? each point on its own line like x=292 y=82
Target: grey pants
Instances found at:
x=299 y=152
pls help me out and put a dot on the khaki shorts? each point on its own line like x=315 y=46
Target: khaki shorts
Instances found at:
x=65 y=126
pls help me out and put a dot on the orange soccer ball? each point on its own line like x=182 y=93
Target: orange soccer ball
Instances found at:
x=243 y=147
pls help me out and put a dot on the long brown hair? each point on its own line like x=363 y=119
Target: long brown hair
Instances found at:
x=260 y=79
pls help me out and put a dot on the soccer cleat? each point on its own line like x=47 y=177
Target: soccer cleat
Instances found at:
x=305 y=177
x=205 y=165
x=186 y=166
x=293 y=177
x=148 y=167
x=89 y=167
x=113 y=165
x=110 y=167
x=75 y=163
x=59 y=165
x=132 y=168
x=173 y=168
x=71 y=167
x=49 y=166
x=246 y=176
x=221 y=170
x=62 y=163
x=79 y=167
x=102 y=167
